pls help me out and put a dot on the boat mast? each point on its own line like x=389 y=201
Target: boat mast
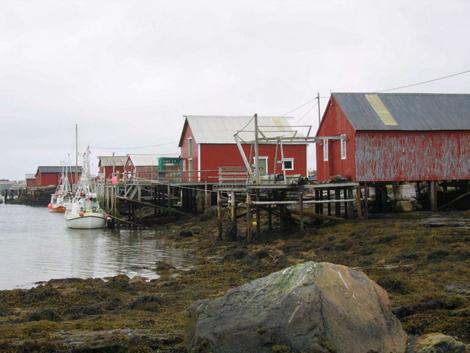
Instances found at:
x=76 y=154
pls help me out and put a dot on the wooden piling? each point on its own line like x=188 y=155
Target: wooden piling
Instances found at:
x=233 y=206
x=249 y=234
x=301 y=209
x=219 y=214
x=433 y=195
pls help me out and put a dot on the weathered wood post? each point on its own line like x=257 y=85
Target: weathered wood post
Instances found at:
x=433 y=195
x=219 y=214
x=258 y=218
x=168 y=198
x=233 y=207
x=337 y=203
x=249 y=234
x=366 y=201
x=301 y=213
x=358 y=202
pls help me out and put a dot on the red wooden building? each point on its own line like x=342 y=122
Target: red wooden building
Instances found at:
x=106 y=165
x=394 y=137
x=30 y=180
x=207 y=144
x=144 y=166
x=50 y=175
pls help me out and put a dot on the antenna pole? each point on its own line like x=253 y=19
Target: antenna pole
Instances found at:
x=76 y=154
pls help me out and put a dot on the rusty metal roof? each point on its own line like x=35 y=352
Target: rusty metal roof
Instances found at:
x=406 y=111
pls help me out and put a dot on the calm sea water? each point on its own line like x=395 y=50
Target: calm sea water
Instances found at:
x=35 y=245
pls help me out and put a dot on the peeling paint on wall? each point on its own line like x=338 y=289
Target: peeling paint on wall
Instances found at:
x=412 y=156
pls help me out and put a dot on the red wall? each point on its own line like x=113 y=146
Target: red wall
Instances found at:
x=335 y=123
x=108 y=171
x=30 y=182
x=214 y=156
x=47 y=179
x=412 y=155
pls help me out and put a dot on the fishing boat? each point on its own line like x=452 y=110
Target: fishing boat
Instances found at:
x=84 y=211
x=62 y=195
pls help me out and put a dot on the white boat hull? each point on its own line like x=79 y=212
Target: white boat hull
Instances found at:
x=87 y=221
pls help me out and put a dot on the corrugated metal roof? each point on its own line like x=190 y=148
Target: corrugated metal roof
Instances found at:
x=109 y=161
x=58 y=169
x=144 y=160
x=220 y=129
x=411 y=111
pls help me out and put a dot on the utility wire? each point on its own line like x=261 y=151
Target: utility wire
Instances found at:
x=300 y=106
x=424 y=82
x=134 y=147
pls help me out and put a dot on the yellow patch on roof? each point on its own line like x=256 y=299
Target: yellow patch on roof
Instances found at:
x=278 y=122
x=381 y=110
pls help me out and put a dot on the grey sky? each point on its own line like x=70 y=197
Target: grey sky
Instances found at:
x=127 y=71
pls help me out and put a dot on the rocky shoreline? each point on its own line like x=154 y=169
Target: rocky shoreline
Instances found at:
x=425 y=269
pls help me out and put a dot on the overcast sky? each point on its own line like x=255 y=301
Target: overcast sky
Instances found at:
x=126 y=71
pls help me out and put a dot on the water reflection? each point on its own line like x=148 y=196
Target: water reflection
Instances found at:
x=36 y=246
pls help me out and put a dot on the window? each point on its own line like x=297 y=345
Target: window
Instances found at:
x=325 y=150
x=343 y=146
x=190 y=147
x=288 y=164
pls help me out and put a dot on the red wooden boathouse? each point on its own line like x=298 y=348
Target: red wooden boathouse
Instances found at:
x=108 y=164
x=50 y=175
x=395 y=137
x=207 y=144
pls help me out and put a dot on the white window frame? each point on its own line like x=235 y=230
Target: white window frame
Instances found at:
x=325 y=150
x=190 y=147
x=267 y=162
x=288 y=160
x=343 y=147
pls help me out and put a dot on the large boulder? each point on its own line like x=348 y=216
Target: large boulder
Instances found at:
x=310 y=307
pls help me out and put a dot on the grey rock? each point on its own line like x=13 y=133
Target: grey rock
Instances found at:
x=310 y=307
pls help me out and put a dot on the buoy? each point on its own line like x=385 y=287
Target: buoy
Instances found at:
x=49 y=206
x=81 y=213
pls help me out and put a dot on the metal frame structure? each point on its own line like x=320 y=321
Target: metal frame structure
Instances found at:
x=287 y=134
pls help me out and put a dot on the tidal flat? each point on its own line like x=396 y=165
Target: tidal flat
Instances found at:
x=421 y=259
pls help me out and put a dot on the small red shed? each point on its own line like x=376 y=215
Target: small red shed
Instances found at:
x=106 y=165
x=50 y=175
x=144 y=166
x=394 y=137
x=30 y=180
x=207 y=144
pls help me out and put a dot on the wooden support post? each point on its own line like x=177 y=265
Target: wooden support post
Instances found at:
x=358 y=202
x=329 y=203
x=350 y=204
x=301 y=214
x=320 y=193
x=433 y=195
x=249 y=234
x=317 y=205
x=258 y=218
x=168 y=198
x=337 y=204
x=366 y=201
x=233 y=207
x=219 y=214
x=206 y=207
